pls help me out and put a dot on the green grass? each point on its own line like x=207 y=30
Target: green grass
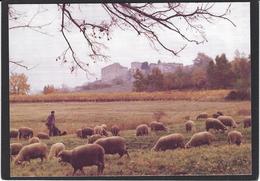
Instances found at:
x=216 y=159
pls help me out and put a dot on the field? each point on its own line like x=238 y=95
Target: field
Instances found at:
x=216 y=159
x=194 y=95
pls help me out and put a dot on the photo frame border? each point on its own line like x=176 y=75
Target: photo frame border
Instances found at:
x=5 y=116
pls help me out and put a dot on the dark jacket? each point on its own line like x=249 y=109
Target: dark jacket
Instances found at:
x=51 y=120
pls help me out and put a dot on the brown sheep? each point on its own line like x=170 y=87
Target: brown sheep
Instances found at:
x=100 y=130
x=13 y=133
x=15 y=149
x=115 y=130
x=94 y=137
x=157 y=126
x=79 y=133
x=87 y=132
x=235 y=137
x=25 y=132
x=113 y=145
x=55 y=150
x=43 y=135
x=142 y=130
x=34 y=140
x=171 y=141
x=213 y=123
x=247 y=122
x=189 y=125
x=203 y=115
x=84 y=155
x=199 y=139
x=228 y=121
x=32 y=151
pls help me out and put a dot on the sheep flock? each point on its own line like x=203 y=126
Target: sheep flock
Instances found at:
x=103 y=140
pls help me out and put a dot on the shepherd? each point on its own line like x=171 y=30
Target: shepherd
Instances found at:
x=51 y=123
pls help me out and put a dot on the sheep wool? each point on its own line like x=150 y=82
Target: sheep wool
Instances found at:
x=199 y=139
x=171 y=141
x=55 y=150
x=235 y=137
x=84 y=155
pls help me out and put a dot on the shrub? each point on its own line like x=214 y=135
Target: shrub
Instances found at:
x=238 y=95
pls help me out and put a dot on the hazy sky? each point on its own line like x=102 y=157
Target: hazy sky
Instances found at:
x=40 y=51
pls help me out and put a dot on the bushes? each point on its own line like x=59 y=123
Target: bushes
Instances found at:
x=239 y=95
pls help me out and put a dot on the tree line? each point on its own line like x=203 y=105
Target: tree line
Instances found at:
x=205 y=73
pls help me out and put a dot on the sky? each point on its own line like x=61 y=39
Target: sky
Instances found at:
x=39 y=51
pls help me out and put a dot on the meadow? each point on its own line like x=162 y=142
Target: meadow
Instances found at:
x=220 y=158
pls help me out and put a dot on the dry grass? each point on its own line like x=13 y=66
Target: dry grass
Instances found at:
x=205 y=95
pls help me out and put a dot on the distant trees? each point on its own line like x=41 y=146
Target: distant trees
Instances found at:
x=205 y=73
x=48 y=89
x=18 y=84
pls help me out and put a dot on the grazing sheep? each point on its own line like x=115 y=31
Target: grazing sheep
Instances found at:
x=84 y=155
x=247 y=122
x=94 y=137
x=34 y=140
x=215 y=115
x=157 y=126
x=104 y=126
x=203 y=115
x=55 y=150
x=113 y=145
x=171 y=141
x=189 y=125
x=13 y=133
x=79 y=133
x=235 y=137
x=15 y=149
x=43 y=135
x=199 y=139
x=87 y=132
x=32 y=151
x=142 y=130
x=25 y=132
x=228 y=121
x=115 y=130
x=213 y=123
x=100 y=130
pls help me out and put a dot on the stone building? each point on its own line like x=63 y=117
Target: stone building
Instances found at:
x=115 y=71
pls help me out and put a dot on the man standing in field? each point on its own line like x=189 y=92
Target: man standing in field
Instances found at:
x=51 y=123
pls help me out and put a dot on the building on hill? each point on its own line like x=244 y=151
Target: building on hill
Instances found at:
x=115 y=71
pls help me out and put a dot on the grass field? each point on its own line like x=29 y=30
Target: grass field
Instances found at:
x=216 y=159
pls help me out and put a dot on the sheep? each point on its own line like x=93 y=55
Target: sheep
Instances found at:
x=203 y=115
x=84 y=155
x=25 y=132
x=228 y=121
x=213 y=123
x=43 y=135
x=215 y=115
x=115 y=130
x=142 y=130
x=157 y=126
x=247 y=122
x=32 y=151
x=13 y=133
x=15 y=149
x=55 y=150
x=189 y=125
x=100 y=130
x=87 y=132
x=235 y=137
x=171 y=141
x=79 y=133
x=104 y=126
x=200 y=138
x=94 y=137
x=113 y=145
x=34 y=140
